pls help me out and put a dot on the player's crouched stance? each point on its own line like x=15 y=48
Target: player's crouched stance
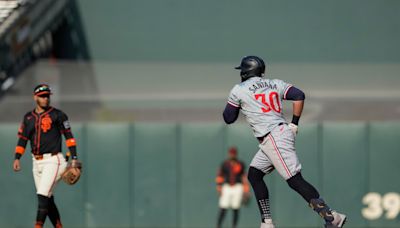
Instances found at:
x=43 y=127
x=259 y=99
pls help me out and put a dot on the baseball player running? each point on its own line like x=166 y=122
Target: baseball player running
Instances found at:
x=43 y=127
x=260 y=101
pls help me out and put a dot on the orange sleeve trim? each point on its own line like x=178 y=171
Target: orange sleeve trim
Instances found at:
x=71 y=142
x=219 y=180
x=19 y=150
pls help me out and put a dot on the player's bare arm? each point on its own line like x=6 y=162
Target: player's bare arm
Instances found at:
x=298 y=108
x=16 y=165
x=298 y=97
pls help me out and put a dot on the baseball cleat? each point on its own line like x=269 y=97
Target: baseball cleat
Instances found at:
x=338 y=220
x=267 y=224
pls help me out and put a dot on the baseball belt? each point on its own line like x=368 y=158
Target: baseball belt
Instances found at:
x=40 y=156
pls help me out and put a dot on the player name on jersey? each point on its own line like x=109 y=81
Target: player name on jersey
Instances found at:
x=261 y=85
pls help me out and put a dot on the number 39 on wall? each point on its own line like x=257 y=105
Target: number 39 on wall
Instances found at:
x=377 y=205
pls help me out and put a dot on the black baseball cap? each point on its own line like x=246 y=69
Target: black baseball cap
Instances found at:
x=42 y=89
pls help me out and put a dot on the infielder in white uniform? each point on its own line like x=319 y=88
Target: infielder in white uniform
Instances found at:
x=260 y=101
x=44 y=127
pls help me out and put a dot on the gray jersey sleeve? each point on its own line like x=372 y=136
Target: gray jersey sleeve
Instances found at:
x=233 y=98
x=282 y=87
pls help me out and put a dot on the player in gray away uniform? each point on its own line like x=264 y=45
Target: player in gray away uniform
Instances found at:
x=260 y=100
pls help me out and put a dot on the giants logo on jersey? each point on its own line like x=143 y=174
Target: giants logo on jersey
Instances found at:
x=237 y=168
x=46 y=123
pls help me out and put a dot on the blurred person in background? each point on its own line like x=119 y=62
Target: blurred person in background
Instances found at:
x=232 y=187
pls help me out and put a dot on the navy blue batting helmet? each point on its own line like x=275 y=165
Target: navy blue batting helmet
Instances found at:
x=251 y=66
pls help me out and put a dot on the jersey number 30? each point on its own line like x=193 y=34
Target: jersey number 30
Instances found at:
x=274 y=103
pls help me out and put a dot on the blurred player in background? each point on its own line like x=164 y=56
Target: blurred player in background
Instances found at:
x=43 y=127
x=260 y=100
x=232 y=187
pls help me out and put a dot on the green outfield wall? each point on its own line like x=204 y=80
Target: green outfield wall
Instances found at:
x=225 y=30
x=162 y=175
